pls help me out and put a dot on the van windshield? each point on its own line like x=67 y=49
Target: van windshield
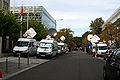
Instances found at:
x=22 y=43
x=45 y=45
x=102 y=47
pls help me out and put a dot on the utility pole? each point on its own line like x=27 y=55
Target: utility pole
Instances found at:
x=14 y=7
x=21 y=14
x=28 y=19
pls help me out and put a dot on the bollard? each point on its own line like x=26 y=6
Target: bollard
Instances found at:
x=28 y=59
x=6 y=65
x=19 y=60
x=0 y=75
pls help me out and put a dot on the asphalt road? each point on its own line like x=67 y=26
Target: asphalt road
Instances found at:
x=72 y=66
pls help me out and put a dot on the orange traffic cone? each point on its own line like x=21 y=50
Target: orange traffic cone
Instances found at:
x=0 y=75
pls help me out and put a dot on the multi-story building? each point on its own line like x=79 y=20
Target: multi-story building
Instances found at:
x=35 y=13
x=115 y=41
x=5 y=4
x=112 y=18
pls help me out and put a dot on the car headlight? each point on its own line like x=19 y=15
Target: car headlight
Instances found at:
x=49 y=52
x=37 y=52
x=13 y=51
x=26 y=51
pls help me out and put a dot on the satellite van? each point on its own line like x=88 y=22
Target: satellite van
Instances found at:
x=62 y=48
x=25 y=46
x=101 y=48
x=47 y=48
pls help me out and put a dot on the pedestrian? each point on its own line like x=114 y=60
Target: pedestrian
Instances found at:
x=0 y=75
x=93 y=52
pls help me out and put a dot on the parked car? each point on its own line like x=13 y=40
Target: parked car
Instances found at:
x=25 y=46
x=108 y=53
x=101 y=49
x=47 y=48
x=62 y=48
x=111 y=70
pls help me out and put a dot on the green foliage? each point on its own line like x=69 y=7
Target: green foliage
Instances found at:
x=39 y=28
x=84 y=38
x=85 y=34
x=68 y=34
x=96 y=25
x=117 y=22
x=8 y=25
x=77 y=41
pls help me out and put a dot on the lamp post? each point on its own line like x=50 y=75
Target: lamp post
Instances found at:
x=56 y=22
x=27 y=18
x=117 y=35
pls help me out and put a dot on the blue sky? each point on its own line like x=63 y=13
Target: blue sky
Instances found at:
x=76 y=14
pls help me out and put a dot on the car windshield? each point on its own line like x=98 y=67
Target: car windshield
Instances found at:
x=22 y=43
x=102 y=47
x=45 y=45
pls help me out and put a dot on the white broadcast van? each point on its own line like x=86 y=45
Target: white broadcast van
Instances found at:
x=62 y=48
x=47 y=48
x=101 y=48
x=25 y=46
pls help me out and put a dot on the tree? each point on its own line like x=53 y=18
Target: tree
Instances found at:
x=117 y=22
x=77 y=41
x=109 y=33
x=96 y=25
x=84 y=38
x=39 y=28
x=8 y=25
x=68 y=34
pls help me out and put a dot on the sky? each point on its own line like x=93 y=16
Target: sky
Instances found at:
x=76 y=14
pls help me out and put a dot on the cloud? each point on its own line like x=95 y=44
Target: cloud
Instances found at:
x=76 y=14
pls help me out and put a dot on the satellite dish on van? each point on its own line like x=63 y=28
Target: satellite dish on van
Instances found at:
x=62 y=38
x=52 y=31
x=89 y=37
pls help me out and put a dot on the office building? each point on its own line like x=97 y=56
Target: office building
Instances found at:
x=112 y=18
x=5 y=4
x=38 y=13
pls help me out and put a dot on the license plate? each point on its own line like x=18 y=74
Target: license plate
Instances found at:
x=43 y=55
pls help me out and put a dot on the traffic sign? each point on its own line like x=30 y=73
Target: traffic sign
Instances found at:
x=30 y=33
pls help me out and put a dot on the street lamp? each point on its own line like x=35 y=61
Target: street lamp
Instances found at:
x=117 y=35
x=56 y=22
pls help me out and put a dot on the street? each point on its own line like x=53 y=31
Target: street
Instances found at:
x=72 y=66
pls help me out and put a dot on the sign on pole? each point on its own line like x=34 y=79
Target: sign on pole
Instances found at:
x=30 y=33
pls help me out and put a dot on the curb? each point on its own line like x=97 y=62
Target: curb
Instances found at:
x=16 y=73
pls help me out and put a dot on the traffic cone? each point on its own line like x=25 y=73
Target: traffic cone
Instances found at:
x=0 y=75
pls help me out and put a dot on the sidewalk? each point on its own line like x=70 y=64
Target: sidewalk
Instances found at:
x=13 y=68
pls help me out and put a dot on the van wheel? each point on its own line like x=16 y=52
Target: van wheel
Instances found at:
x=37 y=56
x=104 y=75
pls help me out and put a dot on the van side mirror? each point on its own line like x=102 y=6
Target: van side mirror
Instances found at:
x=53 y=47
x=29 y=45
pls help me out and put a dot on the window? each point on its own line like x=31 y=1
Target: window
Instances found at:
x=45 y=45
x=22 y=43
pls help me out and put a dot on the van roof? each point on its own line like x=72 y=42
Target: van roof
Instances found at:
x=48 y=41
x=102 y=44
x=26 y=39
x=60 y=43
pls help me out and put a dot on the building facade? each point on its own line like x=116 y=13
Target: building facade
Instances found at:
x=112 y=18
x=38 y=13
x=115 y=36
x=5 y=4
